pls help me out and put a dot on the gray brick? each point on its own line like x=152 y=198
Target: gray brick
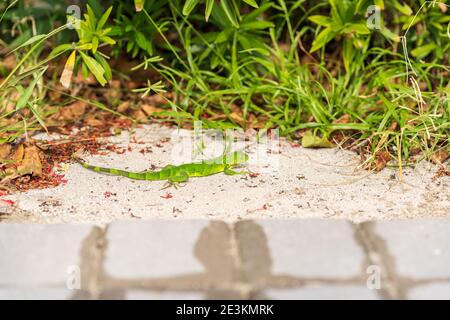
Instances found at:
x=326 y=292
x=420 y=248
x=313 y=248
x=152 y=249
x=433 y=291
x=34 y=255
x=35 y=294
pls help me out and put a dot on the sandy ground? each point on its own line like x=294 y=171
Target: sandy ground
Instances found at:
x=292 y=183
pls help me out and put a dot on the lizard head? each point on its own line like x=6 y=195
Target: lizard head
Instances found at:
x=235 y=158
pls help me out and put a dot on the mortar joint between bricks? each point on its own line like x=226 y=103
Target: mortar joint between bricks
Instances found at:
x=240 y=283
x=91 y=262
x=377 y=253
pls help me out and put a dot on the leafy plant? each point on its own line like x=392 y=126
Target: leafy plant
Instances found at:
x=93 y=34
x=132 y=30
x=230 y=8
x=347 y=21
x=264 y=64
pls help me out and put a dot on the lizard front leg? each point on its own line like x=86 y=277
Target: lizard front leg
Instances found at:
x=230 y=172
x=176 y=179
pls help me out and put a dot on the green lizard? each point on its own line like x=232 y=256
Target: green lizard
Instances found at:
x=182 y=173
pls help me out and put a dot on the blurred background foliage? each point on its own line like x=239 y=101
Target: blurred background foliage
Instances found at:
x=301 y=66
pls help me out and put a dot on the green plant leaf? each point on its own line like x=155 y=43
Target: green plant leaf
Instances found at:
x=254 y=25
x=30 y=41
x=100 y=59
x=94 y=44
x=60 y=49
x=423 y=51
x=325 y=36
x=26 y=95
x=94 y=67
x=323 y=21
x=358 y=28
x=141 y=41
x=403 y=8
x=104 y=19
x=252 y=3
x=208 y=9
x=189 y=5
x=348 y=53
x=230 y=13
x=380 y=4
x=388 y=34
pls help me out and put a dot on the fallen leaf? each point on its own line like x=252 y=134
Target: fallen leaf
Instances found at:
x=157 y=99
x=5 y=150
x=108 y=194
x=9 y=62
x=343 y=119
x=439 y=157
x=168 y=195
x=18 y=154
x=259 y=123
x=381 y=160
x=113 y=92
x=8 y=202
x=310 y=140
x=31 y=163
x=139 y=115
x=93 y=122
x=150 y=109
x=73 y=111
x=237 y=117
x=90 y=80
x=393 y=126
x=124 y=106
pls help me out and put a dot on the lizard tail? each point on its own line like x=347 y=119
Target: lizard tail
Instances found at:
x=117 y=172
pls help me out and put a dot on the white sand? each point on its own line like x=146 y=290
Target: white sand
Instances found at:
x=309 y=183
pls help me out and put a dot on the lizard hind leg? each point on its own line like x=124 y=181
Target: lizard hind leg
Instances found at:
x=175 y=180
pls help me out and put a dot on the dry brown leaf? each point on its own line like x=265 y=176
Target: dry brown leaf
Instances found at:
x=132 y=85
x=17 y=157
x=73 y=111
x=55 y=95
x=260 y=123
x=343 y=119
x=80 y=79
x=156 y=99
x=31 y=163
x=139 y=115
x=9 y=62
x=5 y=150
x=381 y=160
x=150 y=109
x=251 y=120
x=393 y=126
x=124 y=106
x=9 y=102
x=113 y=92
x=237 y=117
x=439 y=157
x=93 y=122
